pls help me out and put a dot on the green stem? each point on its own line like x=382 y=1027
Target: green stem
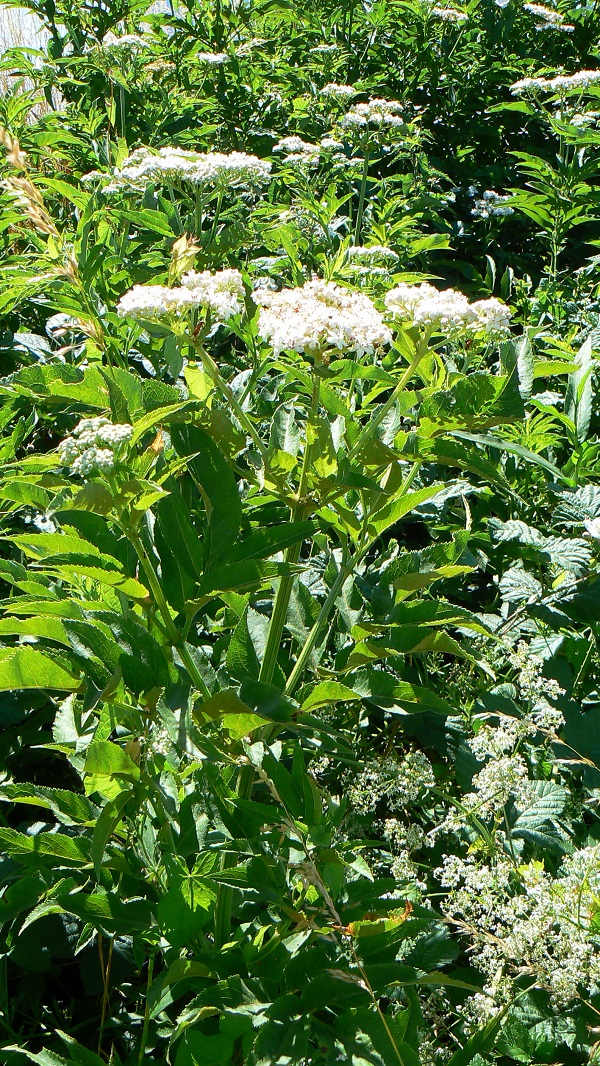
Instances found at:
x=245 y=781
x=370 y=429
x=323 y=616
x=284 y=590
x=213 y=372
x=173 y=635
x=361 y=198
x=146 y=1026
x=155 y=588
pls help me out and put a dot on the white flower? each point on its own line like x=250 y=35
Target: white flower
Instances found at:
x=222 y=294
x=491 y=204
x=93 y=445
x=298 y=151
x=493 y=316
x=211 y=59
x=374 y=112
x=330 y=142
x=213 y=170
x=338 y=92
x=375 y=253
x=548 y=18
x=450 y=14
x=445 y=311
x=562 y=83
x=319 y=316
x=130 y=42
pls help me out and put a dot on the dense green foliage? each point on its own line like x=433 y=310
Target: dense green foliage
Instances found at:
x=299 y=665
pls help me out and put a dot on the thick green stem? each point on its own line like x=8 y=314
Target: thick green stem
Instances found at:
x=174 y=636
x=361 y=198
x=369 y=430
x=214 y=374
x=245 y=781
x=284 y=590
x=313 y=637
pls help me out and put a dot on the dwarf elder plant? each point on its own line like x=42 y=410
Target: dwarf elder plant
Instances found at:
x=300 y=515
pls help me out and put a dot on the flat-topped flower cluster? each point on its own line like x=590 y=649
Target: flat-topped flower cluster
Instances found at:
x=214 y=170
x=562 y=83
x=375 y=112
x=221 y=294
x=93 y=446
x=320 y=316
x=446 y=311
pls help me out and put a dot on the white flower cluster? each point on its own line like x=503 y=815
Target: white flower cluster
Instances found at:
x=450 y=14
x=530 y=679
x=214 y=170
x=374 y=112
x=491 y=204
x=399 y=782
x=298 y=151
x=561 y=84
x=130 y=42
x=375 y=253
x=318 y=316
x=547 y=18
x=211 y=59
x=338 y=92
x=528 y=920
x=93 y=446
x=446 y=311
x=222 y=294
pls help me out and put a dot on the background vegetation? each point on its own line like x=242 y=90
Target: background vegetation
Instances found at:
x=299 y=660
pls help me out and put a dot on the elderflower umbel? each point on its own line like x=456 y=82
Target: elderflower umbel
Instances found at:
x=375 y=253
x=93 y=446
x=547 y=18
x=130 y=42
x=222 y=294
x=374 y=112
x=211 y=59
x=210 y=170
x=318 y=316
x=450 y=14
x=296 y=150
x=562 y=83
x=445 y=311
x=338 y=92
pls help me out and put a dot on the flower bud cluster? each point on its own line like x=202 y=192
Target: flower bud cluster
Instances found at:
x=93 y=446
x=446 y=311
x=319 y=316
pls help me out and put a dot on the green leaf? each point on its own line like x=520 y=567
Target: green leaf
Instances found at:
x=393 y=511
x=217 y=485
x=108 y=769
x=27 y=668
x=45 y=845
x=326 y=693
x=108 y=821
x=580 y=391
